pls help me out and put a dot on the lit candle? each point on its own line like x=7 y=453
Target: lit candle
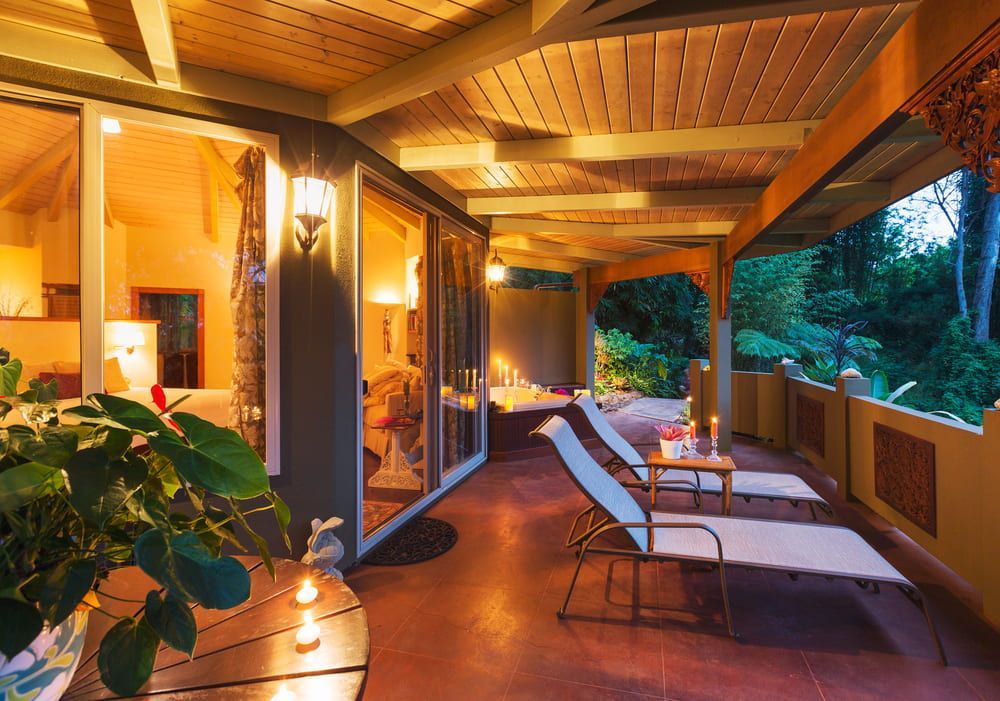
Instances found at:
x=499 y=372
x=466 y=378
x=475 y=384
x=284 y=694
x=446 y=390
x=515 y=377
x=508 y=403
x=306 y=594
x=715 y=428
x=308 y=633
x=692 y=431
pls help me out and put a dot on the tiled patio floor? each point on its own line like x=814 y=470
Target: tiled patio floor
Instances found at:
x=479 y=622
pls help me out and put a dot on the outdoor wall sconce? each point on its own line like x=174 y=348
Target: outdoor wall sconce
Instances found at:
x=313 y=198
x=496 y=271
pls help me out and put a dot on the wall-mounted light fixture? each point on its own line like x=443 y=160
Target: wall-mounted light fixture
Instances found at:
x=313 y=197
x=496 y=271
x=127 y=340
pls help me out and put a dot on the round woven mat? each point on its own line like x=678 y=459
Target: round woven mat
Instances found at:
x=421 y=539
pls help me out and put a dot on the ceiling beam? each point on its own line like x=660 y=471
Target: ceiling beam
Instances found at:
x=916 y=58
x=535 y=262
x=68 y=175
x=746 y=138
x=696 y=229
x=557 y=250
x=502 y=38
x=38 y=168
x=222 y=169
x=692 y=260
x=665 y=15
x=395 y=227
x=153 y=17
x=546 y=13
x=401 y=213
x=663 y=199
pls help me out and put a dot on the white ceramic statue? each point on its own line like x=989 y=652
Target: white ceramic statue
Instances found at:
x=324 y=549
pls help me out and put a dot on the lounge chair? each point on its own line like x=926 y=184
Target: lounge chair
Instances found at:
x=746 y=484
x=789 y=547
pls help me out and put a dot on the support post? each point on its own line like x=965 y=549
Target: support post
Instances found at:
x=584 y=329
x=698 y=379
x=839 y=443
x=720 y=395
x=991 y=515
x=773 y=406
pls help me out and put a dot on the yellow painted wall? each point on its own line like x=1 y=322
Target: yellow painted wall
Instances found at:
x=383 y=287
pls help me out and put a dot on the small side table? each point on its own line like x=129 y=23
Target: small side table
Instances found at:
x=395 y=471
x=723 y=468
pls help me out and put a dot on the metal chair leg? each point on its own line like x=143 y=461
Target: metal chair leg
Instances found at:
x=933 y=629
x=812 y=510
x=572 y=583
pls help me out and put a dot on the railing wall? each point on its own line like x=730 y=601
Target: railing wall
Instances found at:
x=936 y=480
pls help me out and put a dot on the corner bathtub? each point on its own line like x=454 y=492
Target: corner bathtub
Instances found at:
x=508 y=430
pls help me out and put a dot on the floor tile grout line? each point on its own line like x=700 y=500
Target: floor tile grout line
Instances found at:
x=812 y=675
x=972 y=686
x=412 y=613
x=520 y=653
x=590 y=686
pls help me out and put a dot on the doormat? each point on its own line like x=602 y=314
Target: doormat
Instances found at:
x=421 y=539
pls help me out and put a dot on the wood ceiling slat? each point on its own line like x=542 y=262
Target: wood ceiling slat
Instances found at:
x=588 y=74
x=789 y=46
x=517 y=90
x=613 y=66
x=536 y=77
x=70 y=23
x=501 y=103
x=699 y=47
x=725 y=61
x=666 y=79
x=641 y=65
x=477 y=100
x=559 y=64
x=466 y=116
x=756 y=53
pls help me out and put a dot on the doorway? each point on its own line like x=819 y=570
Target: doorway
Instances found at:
x=180 y=333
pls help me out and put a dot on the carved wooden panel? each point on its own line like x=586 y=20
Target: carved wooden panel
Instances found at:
x=967 y=114
x=810 y=424
x=905 y=476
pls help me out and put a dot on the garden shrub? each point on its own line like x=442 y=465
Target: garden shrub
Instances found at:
x=622 y=363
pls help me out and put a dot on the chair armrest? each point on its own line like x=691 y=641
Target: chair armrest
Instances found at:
x=648 y=525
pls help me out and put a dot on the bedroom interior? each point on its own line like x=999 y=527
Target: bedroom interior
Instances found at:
x=171 y=232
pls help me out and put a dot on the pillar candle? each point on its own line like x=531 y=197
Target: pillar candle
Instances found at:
x=715 y=428
x=475 y=384
x=692 y=431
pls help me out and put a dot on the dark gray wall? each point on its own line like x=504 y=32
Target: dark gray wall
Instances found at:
x=319 y=404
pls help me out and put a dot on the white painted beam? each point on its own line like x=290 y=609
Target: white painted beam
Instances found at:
x=539 y=263
x=690 y=230
x=157 y=33
x=546 y=13
x=663 y=199
x=557 y=250
x=746 y=138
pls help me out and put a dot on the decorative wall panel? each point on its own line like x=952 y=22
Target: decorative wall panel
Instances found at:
x=810 y=424
x=905 y=476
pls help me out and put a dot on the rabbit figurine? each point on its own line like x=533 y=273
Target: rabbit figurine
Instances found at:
x=324 y=549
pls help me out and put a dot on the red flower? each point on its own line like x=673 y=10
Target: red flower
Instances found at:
x=159 y=397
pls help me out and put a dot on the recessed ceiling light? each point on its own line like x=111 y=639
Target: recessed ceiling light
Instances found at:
x=111 y=126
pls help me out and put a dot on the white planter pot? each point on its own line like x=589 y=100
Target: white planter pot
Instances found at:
x=44 y=669
x=671 y=450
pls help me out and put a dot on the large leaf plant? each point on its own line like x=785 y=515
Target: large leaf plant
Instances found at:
x=113 y=483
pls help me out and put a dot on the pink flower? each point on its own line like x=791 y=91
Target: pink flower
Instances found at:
x=669 y=432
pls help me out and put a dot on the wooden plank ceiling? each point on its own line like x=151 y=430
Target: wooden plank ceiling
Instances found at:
x=770 y=68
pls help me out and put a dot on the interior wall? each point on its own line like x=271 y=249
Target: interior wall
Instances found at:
x=33 y=251
x=319 y=401
x=384 y=274
x=535 y=332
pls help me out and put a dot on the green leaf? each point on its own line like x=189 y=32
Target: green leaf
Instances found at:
x=98 y=487
x=900 y=391
x=880 y=385
x=188 y=569
x=10 y=373
x=113 y=441
x=283 y=515
x=45 y=391
x=214 y=458
x=172 y=620
x=24 y=483
x=21 y=624
x=119 y=413
x=65 y=588
x=5 y=408
x=52 y=446
x=127 y=655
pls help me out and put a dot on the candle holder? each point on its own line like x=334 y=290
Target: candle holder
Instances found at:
x=714 y=455
x=692 y=451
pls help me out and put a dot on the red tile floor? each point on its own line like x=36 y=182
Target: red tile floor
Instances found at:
x=479 y=622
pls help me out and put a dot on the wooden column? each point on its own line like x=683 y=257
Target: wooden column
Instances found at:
x=585 y=305
x=719 y=397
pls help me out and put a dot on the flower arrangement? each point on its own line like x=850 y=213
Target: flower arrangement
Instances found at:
x=97 y=491
x=669 y=432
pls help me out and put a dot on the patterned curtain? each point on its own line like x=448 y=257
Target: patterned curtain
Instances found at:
x=459 y=342
x=246 y=300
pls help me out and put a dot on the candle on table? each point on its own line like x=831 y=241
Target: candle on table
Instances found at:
x=692 y=431
x=715 y=428
x=499 y=372
x=466 y=378
x=308 y=633
x=307 y=594
x=508 y=403
x=446 y=390
x=475 y=384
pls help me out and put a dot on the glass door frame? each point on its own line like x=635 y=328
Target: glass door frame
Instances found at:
x=91 y=183
x=436 y=484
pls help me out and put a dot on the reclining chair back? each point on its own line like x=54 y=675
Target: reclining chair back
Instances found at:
x=602 y=489
x=611 y=439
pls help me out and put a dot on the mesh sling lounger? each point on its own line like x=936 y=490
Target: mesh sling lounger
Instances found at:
x=746 y=484
x=793 y=548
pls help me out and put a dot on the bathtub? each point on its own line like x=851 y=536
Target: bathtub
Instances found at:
x=509 y=431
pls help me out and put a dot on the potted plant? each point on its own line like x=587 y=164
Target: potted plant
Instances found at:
x=96 y=489
x=671 y=440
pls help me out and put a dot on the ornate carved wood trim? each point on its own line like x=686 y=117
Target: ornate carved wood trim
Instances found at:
x=905 y=476
x=703 y=279
x=810 y=424
x=966 y=113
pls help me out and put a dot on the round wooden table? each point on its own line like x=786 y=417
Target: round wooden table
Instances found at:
x=247 y=652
